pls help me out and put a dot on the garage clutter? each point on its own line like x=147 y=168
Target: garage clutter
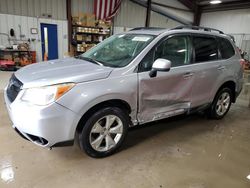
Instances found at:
x=87 y=32
x=16 y=56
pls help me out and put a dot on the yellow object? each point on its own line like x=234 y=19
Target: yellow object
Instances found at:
x=62 y=89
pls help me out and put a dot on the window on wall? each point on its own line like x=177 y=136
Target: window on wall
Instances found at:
x=176 y=49
x=205 y=49
x=226 y=48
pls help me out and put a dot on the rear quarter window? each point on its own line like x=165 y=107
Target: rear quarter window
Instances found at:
x=226 y=48
x=205 y=49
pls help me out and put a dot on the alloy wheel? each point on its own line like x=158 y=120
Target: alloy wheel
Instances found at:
x=106 y=133
x=223 y=103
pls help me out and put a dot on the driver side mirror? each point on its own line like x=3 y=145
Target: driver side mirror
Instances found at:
x=160 y=65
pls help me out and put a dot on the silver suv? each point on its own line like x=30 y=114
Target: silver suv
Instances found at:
x=131 y=78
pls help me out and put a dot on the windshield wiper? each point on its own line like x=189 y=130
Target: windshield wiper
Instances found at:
x=89 y=59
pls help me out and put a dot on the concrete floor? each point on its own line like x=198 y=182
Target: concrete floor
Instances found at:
x=183 y=152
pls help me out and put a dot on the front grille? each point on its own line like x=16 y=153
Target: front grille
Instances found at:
x=14 y=88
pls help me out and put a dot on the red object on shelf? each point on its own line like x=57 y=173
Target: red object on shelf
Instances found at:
x=33 y=54
x=7 y=65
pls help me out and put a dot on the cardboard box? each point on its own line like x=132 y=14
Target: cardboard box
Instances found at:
x=75 y=19
x=90 y=20
x=82 y=19
x=17 y=60
x=104 y=24
x=7 y=57
x=79 y=37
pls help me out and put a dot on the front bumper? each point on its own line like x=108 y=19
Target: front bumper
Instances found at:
x=46 y=126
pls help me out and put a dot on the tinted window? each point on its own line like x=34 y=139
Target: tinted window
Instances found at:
x=205 y=49
x=175 y=49
x=226 y=48
x=147 y=61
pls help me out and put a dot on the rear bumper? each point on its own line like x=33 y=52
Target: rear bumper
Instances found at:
x=239 y=88
x=46 y=126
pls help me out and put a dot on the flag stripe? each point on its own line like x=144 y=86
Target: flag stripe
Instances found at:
x=106 y=9
x=95 y=5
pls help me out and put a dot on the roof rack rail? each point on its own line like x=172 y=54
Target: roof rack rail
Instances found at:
x=148 y=28
x=197 y=28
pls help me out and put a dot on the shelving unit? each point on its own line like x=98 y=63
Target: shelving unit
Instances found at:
x=85 y=37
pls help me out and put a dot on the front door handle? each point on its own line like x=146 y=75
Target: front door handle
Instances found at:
x=188 y=75
x=221 y=67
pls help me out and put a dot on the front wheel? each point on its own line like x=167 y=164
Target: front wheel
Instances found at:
x=221 y=104
x=104 y=132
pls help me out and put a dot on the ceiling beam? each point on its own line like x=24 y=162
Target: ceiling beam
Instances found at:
x=163 y=13
x=188 y=3
x=167 y=6
x=233 y=5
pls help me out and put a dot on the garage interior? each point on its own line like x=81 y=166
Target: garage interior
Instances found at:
x=184 y=151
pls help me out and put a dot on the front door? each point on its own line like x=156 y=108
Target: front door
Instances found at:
x=169 y=93
x=49 y=41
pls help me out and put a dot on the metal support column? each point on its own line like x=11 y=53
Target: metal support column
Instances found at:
x=147 y=24
x=69 y=18
x=197 y=15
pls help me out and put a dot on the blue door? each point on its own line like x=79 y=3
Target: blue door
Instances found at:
x=49 y=41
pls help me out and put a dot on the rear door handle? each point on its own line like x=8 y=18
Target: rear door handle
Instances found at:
x=188 y=75
x=221 y=67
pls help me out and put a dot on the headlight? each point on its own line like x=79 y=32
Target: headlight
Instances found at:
x=45 y=95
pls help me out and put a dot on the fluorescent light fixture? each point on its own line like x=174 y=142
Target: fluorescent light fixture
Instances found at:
x=215 y=2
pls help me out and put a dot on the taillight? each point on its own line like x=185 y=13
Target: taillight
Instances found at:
x=242 y=63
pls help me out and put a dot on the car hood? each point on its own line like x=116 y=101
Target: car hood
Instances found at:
x=61 y=71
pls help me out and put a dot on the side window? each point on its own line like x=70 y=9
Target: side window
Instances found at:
x=176 y=49
x=226 y=48
x=205 y=49
x=147 y=61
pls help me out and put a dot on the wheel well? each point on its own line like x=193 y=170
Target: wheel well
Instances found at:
x=231 y=85
x=110 y=103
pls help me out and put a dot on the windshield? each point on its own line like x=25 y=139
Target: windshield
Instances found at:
x=118 y=50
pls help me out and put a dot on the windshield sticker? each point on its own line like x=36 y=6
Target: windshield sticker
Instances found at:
x=142 y=39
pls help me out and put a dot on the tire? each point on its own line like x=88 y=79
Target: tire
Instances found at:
x=219 y=107
x=99 y=138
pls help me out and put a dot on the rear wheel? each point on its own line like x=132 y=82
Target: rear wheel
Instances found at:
x=104 y=132
x=221 y=104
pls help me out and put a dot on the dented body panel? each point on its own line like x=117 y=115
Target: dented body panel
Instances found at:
x=161 y=96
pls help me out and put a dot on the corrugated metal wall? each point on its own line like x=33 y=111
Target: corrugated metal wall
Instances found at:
x=35 y=8
x=243 y=42
x=158 y=20
x=12 y=21
x=133 y=15
x=82 y=6
x=130 y=15
x=233 y=21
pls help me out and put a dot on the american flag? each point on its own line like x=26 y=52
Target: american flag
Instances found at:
x=106 y=9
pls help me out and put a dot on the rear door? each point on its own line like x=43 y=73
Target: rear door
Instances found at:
x=169 y=93
x=207 y=68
